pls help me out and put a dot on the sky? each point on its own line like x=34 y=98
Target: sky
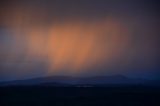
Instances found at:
x=79 y=38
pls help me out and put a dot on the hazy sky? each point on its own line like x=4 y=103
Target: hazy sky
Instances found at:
x=79 y=38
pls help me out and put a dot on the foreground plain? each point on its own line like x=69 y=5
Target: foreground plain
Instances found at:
x=79 y=96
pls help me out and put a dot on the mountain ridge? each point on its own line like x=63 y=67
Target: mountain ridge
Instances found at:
x=67 y=80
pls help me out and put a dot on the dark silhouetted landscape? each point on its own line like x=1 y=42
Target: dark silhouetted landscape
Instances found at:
x=70 y=91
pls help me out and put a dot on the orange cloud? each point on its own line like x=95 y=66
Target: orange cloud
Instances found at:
x=73 y=45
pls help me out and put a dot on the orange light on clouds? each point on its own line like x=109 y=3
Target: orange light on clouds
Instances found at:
x=74 y=45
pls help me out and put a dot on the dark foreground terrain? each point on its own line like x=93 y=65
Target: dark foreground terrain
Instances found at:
x=79 y=96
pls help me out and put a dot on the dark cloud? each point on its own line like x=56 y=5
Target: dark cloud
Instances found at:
x=140 y=18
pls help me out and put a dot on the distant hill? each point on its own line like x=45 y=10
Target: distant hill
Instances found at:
x=79 y=81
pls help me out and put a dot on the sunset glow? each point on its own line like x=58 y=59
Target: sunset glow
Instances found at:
x=75 y=45
x=41 y=38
